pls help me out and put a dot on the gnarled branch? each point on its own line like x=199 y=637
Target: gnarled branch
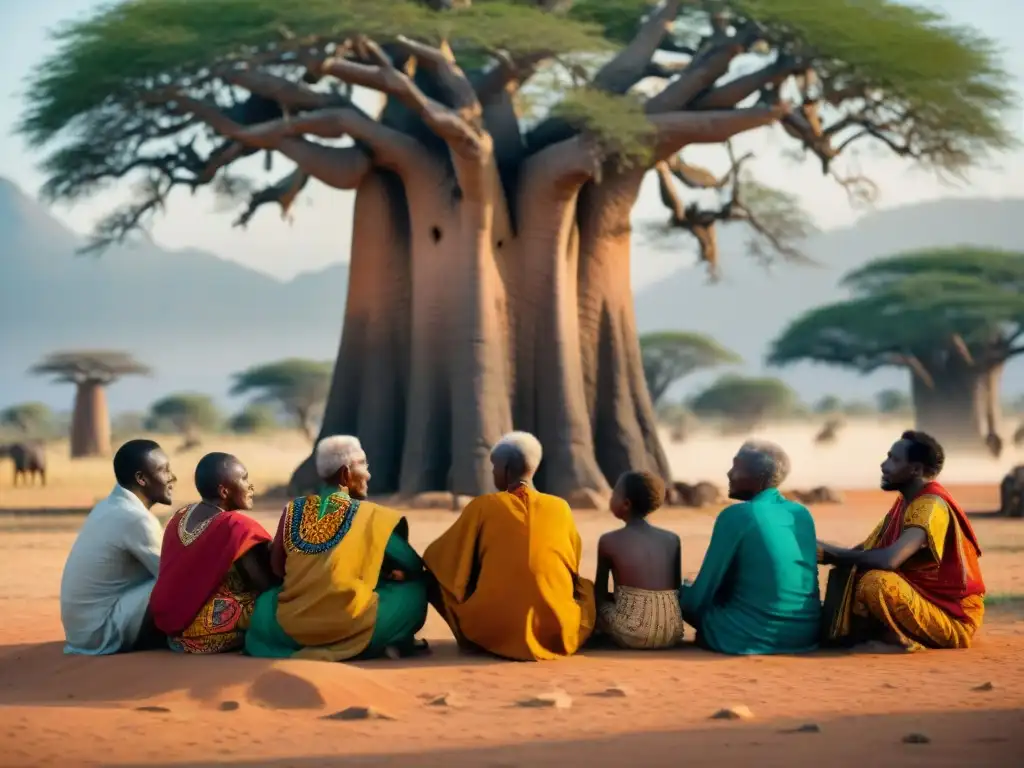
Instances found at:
x=628 y=67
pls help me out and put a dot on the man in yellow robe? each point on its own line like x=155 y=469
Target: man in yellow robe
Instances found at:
x=352 y=584
x=508 y=570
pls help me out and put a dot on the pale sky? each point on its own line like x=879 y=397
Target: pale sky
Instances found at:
x=321 y=230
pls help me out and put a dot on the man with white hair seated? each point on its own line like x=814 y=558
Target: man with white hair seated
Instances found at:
x=757 y=590
x=508 y=570
x=352 y=584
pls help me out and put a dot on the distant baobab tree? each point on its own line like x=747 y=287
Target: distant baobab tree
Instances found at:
x=91 y=372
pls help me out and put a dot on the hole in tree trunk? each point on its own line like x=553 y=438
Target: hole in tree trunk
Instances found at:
x=500 y=243
x=457 y=193
x=435 y=234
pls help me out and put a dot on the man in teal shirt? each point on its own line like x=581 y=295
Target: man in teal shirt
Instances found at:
x=757 y=590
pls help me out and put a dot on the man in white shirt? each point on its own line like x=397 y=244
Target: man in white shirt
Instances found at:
x=112 y=566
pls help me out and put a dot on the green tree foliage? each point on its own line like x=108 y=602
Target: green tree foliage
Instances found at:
x=917 y=310
x=893 y=401
x=668 y=356
x=35 y=420
x=299 y=387
x=829 y=404
x=255 y=418
x=188 y=413
x=123 y=92
x=745 y=401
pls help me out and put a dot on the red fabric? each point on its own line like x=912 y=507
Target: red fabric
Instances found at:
x=190 y=575
x=958 y=576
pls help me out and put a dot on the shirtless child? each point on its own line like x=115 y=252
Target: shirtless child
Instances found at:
x=645 y=563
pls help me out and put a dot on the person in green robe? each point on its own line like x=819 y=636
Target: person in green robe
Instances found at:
x=757 y=589
x=353 y=586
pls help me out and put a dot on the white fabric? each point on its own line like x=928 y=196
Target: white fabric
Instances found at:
x=109 y=574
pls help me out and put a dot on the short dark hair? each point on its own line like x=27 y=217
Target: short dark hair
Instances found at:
x=131 y=459
x=644 y=491
x=211 y=471
x=925 y=450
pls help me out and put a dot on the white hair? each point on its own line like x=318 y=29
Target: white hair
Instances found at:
x=519 y=445
x=767 y=460
x=337 y=451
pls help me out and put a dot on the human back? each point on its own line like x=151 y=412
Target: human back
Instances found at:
x=507 y=571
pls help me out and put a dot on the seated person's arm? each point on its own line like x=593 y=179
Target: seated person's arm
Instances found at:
x=256 y=570
x=277 y=554
x=677 y=576
x=726 y=536
x=143 y=542
x=401 y=561
x=890 y=558
x=601 y=594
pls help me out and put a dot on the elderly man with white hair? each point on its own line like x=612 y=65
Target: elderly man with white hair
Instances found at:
x=508 y=570
x=757 y=590
x=352 y=584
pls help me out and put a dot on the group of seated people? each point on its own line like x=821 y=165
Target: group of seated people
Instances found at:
x=339 y=580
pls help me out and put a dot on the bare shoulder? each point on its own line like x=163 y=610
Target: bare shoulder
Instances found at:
x=610 y=540
x=665 y=534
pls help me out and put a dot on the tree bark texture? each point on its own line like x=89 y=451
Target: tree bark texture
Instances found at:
x=490 y=283
x=90 y=421
x=956 y=409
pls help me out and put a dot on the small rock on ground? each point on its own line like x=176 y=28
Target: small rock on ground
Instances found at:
x=358 y=713
x=615 y=692
x=916 y=738
x=228 y=706
x=740 y=712
x=152 y=709
x=445 y=700
x=556 y=699
x=984 y=687
x=805 y=728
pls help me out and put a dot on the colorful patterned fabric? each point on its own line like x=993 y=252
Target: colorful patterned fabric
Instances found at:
x=198 y=583
x=943 y=577
x=220 y=625
x=329 y=551
x=508 y=577
x=642 y=618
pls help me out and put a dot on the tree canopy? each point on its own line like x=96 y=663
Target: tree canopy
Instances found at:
x=892 y=401
x=916 y=310
x=157 y=89
x=90 y=367
x=746 y=401
x=253 y=419
x=187 y=412
x=31 y=419
x=298 y=386
x=670 y=355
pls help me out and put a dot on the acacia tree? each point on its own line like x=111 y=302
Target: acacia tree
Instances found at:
x=299 y=387
x=188 y=413
x=950 y=317
x=30 y=419
x=91 y=373
x=489 y=277
x=745 y=402
x=668 y=356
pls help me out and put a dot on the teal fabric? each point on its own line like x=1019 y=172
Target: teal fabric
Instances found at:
x=757 y=590
x=401 y=610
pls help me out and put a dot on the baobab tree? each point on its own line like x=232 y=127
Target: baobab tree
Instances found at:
x=950 y=317
x=489 y=277
x=91 y=373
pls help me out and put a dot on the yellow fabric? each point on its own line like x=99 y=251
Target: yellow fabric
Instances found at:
x=523 y=552
x=327 y=603
x=887 y=597
x=642 y=618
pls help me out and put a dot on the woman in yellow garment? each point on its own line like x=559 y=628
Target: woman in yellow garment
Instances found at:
x=507 y=572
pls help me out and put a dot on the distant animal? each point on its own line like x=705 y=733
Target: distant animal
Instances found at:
x=994 y=444
x=820 y=495
x=29 y=461
x=1011 y=493
x=828 y=432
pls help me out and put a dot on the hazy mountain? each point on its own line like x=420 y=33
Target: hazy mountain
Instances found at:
x=197 y=318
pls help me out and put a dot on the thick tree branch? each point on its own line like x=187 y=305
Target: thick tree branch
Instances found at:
x=463 y=138
x=916 y=366
x=702 y=73
x=338 y=167
x=675 y=130
x=293 y=97
x=568 y=165
x=508 y=74
x=283 y=192
x=628 y=67
x=733 y=92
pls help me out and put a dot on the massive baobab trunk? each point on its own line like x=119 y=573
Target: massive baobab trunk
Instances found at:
x=957 y=409
x=90 y=421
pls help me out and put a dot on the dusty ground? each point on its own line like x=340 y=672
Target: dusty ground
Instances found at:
x=57 y=710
